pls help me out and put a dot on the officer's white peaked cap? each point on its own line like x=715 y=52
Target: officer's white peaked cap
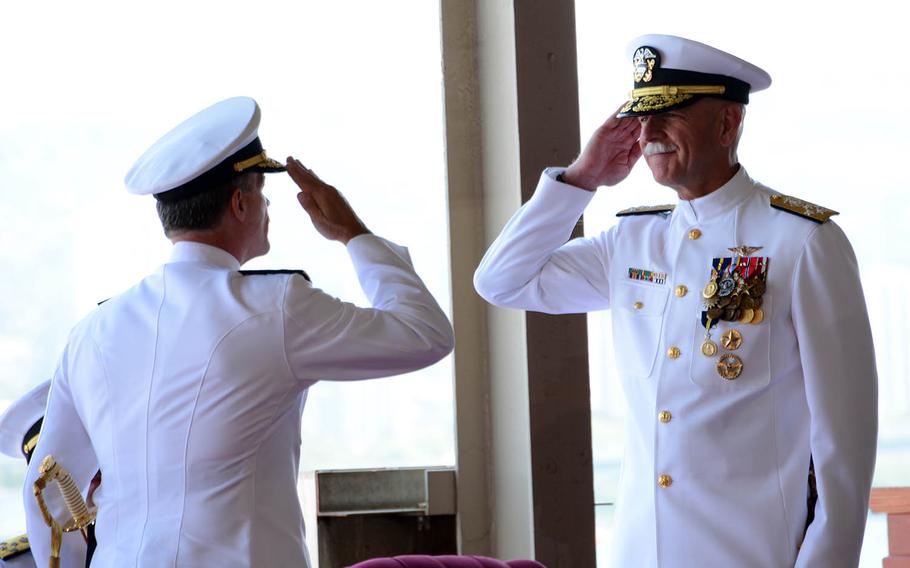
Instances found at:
x=672 y=72
x=204 y=152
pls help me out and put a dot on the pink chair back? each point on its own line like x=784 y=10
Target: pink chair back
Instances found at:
x=423 y=561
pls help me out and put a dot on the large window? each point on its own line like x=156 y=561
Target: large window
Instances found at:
x=352 y=89
x=829 y=130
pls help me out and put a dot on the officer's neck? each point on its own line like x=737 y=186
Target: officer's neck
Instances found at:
x=212 y=238
x=707 y=184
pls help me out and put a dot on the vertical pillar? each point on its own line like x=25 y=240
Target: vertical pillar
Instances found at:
x=557 y=346
x=466 y=229
x=523 y=401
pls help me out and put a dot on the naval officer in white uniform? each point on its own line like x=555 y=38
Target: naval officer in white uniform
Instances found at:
x=741 y=332
x=188 y=388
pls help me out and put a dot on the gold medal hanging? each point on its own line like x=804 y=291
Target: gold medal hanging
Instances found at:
x=710 y=290
x=708 y=347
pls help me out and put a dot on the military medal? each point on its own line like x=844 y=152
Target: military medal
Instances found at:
x=734 y=291
x=726 y=287
x=731 y=339
x=708 y=347
x=710 y=290
x=729 y=366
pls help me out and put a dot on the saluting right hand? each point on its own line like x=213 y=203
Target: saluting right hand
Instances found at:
x=609 y=155
x=328 y=209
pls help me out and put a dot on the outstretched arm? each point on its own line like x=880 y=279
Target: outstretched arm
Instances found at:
x=326 y=338
x=530 y=265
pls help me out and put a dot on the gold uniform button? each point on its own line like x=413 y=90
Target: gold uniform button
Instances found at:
x=664 y=481
x=638 y=305
x=664 y=416
x=694 y=234
x=681 y=290
x=674 y=353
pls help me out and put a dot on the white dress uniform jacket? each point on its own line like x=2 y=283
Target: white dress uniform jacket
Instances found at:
x=734 y=453
x=189 y=389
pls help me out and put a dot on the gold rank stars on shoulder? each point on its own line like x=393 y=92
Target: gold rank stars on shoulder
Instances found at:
x=802 y=208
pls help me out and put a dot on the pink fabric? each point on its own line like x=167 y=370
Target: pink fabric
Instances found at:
x=423 y=561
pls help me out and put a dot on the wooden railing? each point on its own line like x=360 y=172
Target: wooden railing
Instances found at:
x=895 y=501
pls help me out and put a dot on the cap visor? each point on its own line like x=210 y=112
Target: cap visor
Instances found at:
x=655 y=104
x=269 y=166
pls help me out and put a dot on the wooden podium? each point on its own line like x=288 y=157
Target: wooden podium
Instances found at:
x=895 y=501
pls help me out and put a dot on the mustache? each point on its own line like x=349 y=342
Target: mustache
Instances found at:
x=652 y=148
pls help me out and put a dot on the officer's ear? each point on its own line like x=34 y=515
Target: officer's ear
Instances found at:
x=238 y=206
x=731 y=119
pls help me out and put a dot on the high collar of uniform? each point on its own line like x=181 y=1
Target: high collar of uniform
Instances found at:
x=189 y=251
x=719 y=201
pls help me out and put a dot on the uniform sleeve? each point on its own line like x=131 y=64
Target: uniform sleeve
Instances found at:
x=531 y=265
x=404 y=330
x=838 y=360
x=64 y=437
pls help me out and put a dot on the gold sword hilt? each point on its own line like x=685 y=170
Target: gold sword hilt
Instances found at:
x=49 y=471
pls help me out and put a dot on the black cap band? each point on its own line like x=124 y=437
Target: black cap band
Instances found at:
x=220 y=174
x=735 y=90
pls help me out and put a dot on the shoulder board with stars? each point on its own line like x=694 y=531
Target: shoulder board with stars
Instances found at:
x=262 y=272
x=802 y=208
x=647 y=210
x=14 y=547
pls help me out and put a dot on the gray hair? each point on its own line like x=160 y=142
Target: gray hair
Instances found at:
x=204 y=210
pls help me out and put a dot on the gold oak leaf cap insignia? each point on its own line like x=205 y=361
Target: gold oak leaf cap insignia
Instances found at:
x=802 y=208
x=647 y=210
